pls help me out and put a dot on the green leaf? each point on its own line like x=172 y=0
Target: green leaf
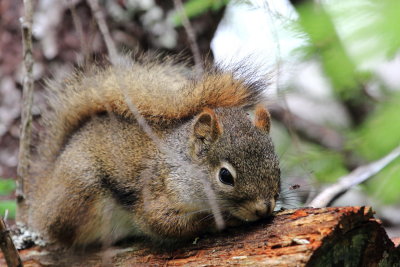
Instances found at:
x=195 y=8
x=379 y=34
x=379 y=135
x=7 y=186
x=321 y=32
x=9 y=205
x=326 y=165
x=385 y=186
x=381 y=131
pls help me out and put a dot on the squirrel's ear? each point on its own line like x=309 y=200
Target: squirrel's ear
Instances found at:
x=262 y=119
x=207 y=128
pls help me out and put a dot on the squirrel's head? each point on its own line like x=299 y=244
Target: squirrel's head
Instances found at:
x=239 y=155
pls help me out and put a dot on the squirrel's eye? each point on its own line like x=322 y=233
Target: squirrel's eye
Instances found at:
x=226 y=177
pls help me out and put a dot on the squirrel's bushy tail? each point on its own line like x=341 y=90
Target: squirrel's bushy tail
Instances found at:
x=160 y=90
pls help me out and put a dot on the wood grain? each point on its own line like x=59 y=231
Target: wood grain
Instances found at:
x=335 y=236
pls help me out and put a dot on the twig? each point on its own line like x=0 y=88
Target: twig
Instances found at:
x=7 y=246
x=105 y=32
x=27 y=97
x=191 y=36
x=79 y=29
x=356 y=177
x=318 y=134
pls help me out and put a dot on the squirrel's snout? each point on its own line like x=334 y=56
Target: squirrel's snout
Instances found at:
x=262 y=212
x=264 y=208
x=255 y=210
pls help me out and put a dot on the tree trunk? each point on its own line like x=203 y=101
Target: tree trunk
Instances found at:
x=337 y=236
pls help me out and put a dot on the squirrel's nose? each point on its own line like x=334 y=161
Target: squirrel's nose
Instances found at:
x=263 y=208
x=261 y=212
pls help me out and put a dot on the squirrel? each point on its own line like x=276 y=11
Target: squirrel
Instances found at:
x=146 y=148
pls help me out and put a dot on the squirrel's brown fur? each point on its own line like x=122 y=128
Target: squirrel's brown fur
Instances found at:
x=103 y=178
x=168 y=95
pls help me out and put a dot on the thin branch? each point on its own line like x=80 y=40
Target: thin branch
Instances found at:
x=191 y=36
x=27 y=98
x=7 y=246
x=318 y=134
x=79 y=29
x=313 y=132
x=105 y=32
x=356 y=177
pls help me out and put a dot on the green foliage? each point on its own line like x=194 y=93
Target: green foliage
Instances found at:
x=369 y=29
x=381 y=131
x=385 y=186
x=324 y=42
x=348 y=37
x=325 y=165
x=374 y=139
x=381 y=29
x=9 y=205
x=194 y=8
x=6 y=186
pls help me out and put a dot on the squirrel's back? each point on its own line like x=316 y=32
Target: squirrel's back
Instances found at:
x=161 y=90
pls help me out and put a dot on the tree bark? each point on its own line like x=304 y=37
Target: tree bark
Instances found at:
x=10 y=254
x=337 y=236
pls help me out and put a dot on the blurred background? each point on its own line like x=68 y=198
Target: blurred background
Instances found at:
x=333 y=69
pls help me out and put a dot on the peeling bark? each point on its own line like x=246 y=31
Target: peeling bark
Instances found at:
x=342 y=236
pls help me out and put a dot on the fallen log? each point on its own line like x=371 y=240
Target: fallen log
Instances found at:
x=336 y=236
